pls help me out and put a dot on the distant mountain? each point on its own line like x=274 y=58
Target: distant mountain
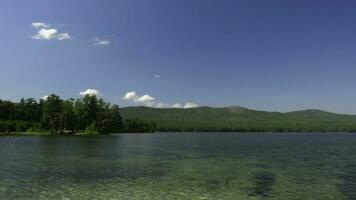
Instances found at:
x=241 y=119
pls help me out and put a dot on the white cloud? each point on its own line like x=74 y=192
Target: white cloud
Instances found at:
x=39 y=25
x=45 y=32
x=90 y=92
x=63 y=36
x=101 y=42
x=157 y=76
x=161 y=105
x=149 y=104
x=130 y=96
x=190 y=105
x=44 y=97
x=177 y=105
x=149 y=101
x=144 y=98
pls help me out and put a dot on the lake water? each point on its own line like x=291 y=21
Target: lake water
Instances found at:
x=179 y=166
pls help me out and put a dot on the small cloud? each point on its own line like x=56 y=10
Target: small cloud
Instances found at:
x=149 y=101
x=39 y=25
x=161 y=105
x=157 y=76
x=90 y=92
x=63 y=36
x=45 y=32
x=149 y=104
x=177 y=105
x=101 y=42
x=190 y=105
x=130 y=96
x=144 y=98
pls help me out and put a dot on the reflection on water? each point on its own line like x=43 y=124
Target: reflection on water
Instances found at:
x=179 y=166
x=263 y=183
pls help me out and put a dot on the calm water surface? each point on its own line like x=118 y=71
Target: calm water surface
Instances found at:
x=179 y=166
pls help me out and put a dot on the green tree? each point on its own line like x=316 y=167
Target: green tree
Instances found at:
x=68 y=118
x=137 y=125
x=28 y=110
x=51 y=115
x=90 y=103
x=108 y=118
x=7 y=110
x=86 y=110
x=57 y=115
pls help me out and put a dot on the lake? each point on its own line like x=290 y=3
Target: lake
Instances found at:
x=179 y=166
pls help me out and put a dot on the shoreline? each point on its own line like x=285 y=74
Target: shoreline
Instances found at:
x=178 y=132
x=45 y=134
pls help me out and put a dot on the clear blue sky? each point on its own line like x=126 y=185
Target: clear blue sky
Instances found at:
x=271 y=55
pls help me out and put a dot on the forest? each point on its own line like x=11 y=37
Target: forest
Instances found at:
x=89 y=115
x=240 y=119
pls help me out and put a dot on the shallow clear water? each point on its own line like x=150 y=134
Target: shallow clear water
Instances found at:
x=179 y=166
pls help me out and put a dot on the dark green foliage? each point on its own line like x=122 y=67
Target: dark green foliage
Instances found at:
x=3 y=127
x=21 y=127
x=15 y=126
x=68 y=119
x=138 y=126
x=238 y=119
x=56 y=116
x=36 y=127
x=97 y=113
x=28 y=110
x=91 y=129
x=86 y=109
x=11 y=126
x=108 y=119
x=51 y=113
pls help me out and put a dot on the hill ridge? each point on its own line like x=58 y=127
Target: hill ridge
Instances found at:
x=235 y=118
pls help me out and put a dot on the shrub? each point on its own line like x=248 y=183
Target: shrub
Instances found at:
x=91 y=129
x=3 y=127
x=36 y=128
x=11 y=127
x=20 y=127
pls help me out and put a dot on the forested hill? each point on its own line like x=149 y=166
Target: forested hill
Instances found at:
x=241 y=119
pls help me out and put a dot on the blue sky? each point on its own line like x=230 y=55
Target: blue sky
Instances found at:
x=271 y=55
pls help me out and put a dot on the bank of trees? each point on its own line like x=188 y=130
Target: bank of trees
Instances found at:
x=56 y=115
x=137 y=125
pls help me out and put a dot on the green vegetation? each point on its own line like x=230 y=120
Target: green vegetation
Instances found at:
x=138 y=125
x=238 y=119
x=54 y=115
x=90 y=115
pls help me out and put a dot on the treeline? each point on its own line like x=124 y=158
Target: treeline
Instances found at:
x=259 y=130
x=55 y=115
x=237 y=119
x=138 y=126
